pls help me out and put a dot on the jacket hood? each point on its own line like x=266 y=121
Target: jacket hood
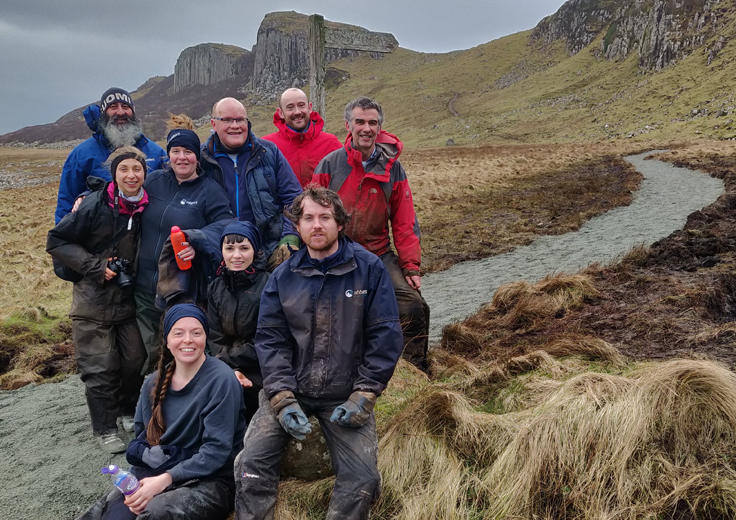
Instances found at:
x=316 y=124
x=389 y=146
x=92 y=116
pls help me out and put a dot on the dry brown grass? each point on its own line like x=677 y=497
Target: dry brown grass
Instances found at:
x=518 y=307
x=478 y=202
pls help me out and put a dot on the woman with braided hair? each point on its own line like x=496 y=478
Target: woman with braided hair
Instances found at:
x=98 y=245
x=189 y=427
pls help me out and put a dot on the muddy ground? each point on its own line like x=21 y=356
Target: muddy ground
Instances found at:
x=675 y=299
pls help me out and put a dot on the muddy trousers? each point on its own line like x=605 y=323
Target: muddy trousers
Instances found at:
x=354 y=453
x=109 y=358
x=413 y=314
x=205 y=499
x=148 y=317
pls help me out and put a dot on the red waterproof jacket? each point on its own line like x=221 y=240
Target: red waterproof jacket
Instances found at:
x=303 y=150
x=375 y=198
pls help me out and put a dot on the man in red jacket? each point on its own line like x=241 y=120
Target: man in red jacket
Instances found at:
x=372 y=184
x=300 y=137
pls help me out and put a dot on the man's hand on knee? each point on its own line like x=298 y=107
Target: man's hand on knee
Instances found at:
x=356 y=410
x=290 y=415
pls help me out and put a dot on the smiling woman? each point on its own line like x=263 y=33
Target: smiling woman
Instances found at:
x=179 y=197
x=98 y=243
x=189 y=427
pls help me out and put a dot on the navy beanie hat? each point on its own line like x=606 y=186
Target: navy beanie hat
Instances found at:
x=185 y=138
x=244 y=229
x=184 y=310
x=116 y=95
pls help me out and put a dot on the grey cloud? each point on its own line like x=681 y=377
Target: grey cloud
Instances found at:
x=64 y=54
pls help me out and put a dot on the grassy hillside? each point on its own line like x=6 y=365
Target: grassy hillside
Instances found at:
x=517 y=90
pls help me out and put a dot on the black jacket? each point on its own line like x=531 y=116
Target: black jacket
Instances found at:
x=233 y=302
x=327 y=334
x=189 y=205
x=83 y=240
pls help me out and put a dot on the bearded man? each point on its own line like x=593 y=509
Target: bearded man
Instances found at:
x=114 y=124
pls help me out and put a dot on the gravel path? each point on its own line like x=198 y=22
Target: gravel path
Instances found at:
x=51 y=465
x=666 y=197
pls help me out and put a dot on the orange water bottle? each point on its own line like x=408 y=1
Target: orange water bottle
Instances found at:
x=177 y=241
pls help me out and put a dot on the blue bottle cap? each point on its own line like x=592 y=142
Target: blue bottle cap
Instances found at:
x=112 y=468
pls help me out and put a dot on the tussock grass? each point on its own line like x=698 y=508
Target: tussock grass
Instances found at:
x=613 y=447
x=519 y=306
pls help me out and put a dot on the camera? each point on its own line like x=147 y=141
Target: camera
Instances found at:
x=124 y=270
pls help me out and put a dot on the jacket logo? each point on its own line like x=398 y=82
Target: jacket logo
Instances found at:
x=189 y=202
x=357 y=292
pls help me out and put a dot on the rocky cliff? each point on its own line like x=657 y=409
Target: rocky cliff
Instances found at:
x=660 y=31
x=211 y=63
x=281 y=50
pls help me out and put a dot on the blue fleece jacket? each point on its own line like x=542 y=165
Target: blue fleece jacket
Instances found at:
x=206 y=417
x=87 y=159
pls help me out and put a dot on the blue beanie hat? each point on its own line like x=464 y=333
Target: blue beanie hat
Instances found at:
x=244 y=229
x=185 y=138
x=184 y=310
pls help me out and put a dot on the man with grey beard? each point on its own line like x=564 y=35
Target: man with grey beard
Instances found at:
x=114 y=124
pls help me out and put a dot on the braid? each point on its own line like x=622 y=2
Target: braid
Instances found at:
x=157 y=425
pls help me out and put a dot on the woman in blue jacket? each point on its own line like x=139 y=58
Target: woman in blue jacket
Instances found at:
x=178 y=196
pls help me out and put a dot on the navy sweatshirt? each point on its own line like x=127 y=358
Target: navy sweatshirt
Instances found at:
x=205 y=417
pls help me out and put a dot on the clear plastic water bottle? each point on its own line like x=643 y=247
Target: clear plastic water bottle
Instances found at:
x=123 y=480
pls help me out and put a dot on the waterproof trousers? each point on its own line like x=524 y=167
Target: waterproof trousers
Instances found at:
x=354 y=453
x=205 y=499
x=148 y=317
x=413 y=313
x=109 y=358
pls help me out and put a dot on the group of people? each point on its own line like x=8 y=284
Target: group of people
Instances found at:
x=295 y=303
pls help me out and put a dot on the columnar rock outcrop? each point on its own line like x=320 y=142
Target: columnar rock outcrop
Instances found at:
x=209 y=63
x=282 y=50
x=661 y=31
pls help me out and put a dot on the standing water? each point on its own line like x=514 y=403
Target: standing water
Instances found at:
x=666 y=197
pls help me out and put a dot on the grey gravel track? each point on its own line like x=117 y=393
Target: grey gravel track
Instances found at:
x=666 y=197
x=50 y=464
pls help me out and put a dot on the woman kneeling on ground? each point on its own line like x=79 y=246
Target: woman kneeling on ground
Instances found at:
x=99 y=242
x=189 y=427
x=233 y=302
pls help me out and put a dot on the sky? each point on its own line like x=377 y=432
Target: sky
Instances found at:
x=58 y=55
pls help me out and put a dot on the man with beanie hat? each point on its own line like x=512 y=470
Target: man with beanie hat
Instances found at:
x=114 y=124
x=300 y=137
x=256 y=176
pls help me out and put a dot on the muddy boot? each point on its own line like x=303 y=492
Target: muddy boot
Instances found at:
x=128 y=423
x=111 y=443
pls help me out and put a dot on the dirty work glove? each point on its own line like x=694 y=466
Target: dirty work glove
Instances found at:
x=283 y=251
x=290 y=415
x=355 y=411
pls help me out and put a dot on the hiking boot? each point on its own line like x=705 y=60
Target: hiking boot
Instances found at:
x=111 y=443
x=128 y=423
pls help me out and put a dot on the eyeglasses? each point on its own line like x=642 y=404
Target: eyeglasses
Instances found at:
x=229 y=120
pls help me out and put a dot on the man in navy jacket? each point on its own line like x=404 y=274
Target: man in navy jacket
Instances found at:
x=114 y=124
x=328 y=341
x=256 y=176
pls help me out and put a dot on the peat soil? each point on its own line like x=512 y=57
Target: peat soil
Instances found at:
x=674 y=299
x=662 y=204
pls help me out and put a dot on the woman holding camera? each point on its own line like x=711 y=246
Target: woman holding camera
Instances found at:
x=179 y=196
x=100 y=242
